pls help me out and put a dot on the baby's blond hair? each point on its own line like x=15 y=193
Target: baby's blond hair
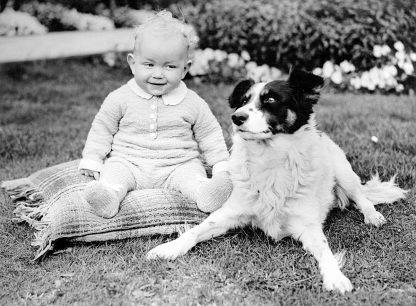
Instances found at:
x=164 y=22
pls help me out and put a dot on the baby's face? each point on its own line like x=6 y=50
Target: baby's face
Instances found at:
x=159 y=62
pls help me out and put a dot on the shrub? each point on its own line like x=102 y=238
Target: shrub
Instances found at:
x=57 y=17
x=86 y=22
x=396 y=74
x=19 y=23
x=48 y=14
x=125 y=17
x=304 y=33
x=216 y=66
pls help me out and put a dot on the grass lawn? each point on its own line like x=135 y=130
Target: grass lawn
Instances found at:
x=46 y=109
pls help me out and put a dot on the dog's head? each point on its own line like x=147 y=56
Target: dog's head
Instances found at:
x=266 y=109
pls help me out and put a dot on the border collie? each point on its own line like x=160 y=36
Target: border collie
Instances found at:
x=287 y=175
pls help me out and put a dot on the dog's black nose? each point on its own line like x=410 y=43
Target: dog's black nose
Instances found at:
x=239 y=118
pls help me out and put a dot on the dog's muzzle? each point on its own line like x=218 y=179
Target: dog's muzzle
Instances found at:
x=239 y=118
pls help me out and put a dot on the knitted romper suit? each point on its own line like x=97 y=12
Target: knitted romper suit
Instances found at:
x=140 y=141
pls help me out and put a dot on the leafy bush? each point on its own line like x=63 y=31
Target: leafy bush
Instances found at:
x=19 y=23
x=125 y=17
x=57 y=17
x=86 y=22
x=216 y=66
x=395 y=74
x=304 y=33
x=84 y=6
x=48 y=14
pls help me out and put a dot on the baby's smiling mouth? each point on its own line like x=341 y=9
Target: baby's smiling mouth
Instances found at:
x=157 y=84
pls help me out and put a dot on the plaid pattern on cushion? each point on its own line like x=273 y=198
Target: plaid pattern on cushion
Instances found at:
x=50 y=201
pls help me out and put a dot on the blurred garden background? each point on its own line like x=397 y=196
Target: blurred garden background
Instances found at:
x=367 y=46
x=366 y=51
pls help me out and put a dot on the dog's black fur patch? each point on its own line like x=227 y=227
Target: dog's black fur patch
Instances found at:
x=237 y=98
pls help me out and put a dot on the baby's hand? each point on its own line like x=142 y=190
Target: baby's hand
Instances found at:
x=94 y=174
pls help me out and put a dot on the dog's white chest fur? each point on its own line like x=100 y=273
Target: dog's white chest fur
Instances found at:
x=278 y=178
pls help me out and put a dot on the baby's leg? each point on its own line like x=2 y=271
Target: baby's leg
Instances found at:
x=105 y=195
x=191 y=179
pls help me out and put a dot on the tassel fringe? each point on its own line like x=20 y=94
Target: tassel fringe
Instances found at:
x=30 y=208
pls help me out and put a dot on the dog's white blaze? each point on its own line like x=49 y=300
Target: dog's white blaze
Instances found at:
x=255 y=127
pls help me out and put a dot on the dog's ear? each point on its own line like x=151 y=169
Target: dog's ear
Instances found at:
x=307 y=84
x=235 y=99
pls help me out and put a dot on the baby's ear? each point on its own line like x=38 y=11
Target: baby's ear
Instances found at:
x=236 y=97
x=130 y=60
x=186 y=68
x=306 y=84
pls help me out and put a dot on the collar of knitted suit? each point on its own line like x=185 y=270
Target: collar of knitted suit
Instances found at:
x=172 y=98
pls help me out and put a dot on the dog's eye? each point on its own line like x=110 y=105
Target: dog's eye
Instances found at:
x=270 y=100
x=244 y=99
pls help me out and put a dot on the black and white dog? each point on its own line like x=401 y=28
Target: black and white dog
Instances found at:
x=287 y=175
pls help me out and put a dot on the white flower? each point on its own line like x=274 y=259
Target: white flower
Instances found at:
x=211 y=54
x=193 y=70
x=245 y=56
x=317 y=71
x=19 y=23
x=356 y=82
x=385 y=50
x=375 y=75
x=109 y=58
x=401 y=64
x=391 y=82
x=399 y=87
x=255 y=74
x=83 y=21
x=400 y=55
x=398 y=45
x=233 y=60
x=377 y=51
x=371 y=86
x=408 y=68
x=374 y=139
x=389 y=71
x=265 y=75
x=381 y=83
x=327 y=69
x=413 y=56
x=366 y=81
x=347 y=67
x=336 y=77
x=259 y=73
x=251 y=66
x=220 y=55
x=275 y=73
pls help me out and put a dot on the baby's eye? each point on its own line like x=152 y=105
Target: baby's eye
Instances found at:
x=148 y=64
x=172 y=66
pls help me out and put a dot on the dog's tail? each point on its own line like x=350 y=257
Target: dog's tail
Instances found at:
x=376 y=191
x=379 y=192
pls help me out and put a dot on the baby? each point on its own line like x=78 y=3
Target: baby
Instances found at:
x=149 y=132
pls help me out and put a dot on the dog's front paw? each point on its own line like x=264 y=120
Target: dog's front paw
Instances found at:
x=337 y=281
x=375 y=218
x=169 y=250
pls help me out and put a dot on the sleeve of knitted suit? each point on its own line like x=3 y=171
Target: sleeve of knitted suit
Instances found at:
x=208 y=134
x=100 y=136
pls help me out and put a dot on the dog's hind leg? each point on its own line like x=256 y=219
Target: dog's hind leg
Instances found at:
x=314 y=241
x=349 y=184
x=218 y=223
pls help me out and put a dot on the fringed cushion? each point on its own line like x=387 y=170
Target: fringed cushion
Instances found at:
x=50 y=201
